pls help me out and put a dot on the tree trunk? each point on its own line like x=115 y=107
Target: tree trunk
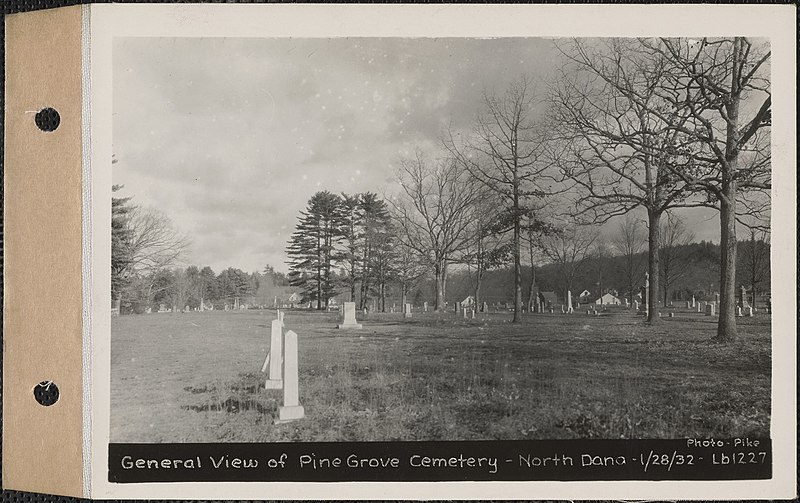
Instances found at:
x=478 y=291
x=533 y=296
x=403 y=297
x=653 y=243
x=440 y=277
x=726 y=329
x=517 y=267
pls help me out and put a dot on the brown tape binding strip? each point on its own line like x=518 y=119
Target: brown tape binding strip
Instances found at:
x=42 y=281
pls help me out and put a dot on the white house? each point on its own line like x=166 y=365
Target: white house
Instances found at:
x=294 y=299
x=608 y=299
x=468 y=302
x=584 y=296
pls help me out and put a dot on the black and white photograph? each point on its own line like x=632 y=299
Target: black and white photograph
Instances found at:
x=364 y=239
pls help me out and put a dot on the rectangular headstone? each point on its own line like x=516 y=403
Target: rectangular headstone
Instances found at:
x=407 y=311
x=349 y=316
x=748 y=311
x=739 y=311
x=274 y=357
x=485 y=307
x=710 y=309
x=291 y=409
x=671 y=314
x=425 y=306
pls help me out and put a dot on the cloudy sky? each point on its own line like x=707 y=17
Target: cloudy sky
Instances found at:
x=230 y=137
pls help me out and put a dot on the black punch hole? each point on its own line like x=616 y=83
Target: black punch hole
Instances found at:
x=46 y=393
x=47 y=119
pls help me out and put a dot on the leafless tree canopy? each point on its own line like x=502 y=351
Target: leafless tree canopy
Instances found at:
x=433 y=212
x=508 y=153
x=155 y=244
x=567 y=248
x=629 y=241
x=674 y=235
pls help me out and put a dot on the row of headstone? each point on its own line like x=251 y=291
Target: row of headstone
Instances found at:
x=282 y=366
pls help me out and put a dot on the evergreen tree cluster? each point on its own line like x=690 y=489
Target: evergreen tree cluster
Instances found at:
x=342 y=243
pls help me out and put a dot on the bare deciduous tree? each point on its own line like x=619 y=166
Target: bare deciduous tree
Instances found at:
x=756 y=260
x=629 y=242
x=488 y=246
x=674 y=236
x=432 y=213
x=506 y=153
x=722 y=87
x=621 y=153
x=568 y=247
x=154 y=242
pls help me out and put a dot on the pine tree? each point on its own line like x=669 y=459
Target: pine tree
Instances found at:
x=120 y=243
x=376 y=242
x=312 y=248
x=352 y=228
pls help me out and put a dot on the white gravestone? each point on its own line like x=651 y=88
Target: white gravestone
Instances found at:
x=407 y=312
x=291 y=408
x=485 y=307
x=425 y=306
x=472 y=314
x=699 y=309
x=748 y=311
x=465 y=313
x=671 y=314
x=569 y=301
x=636 y=305
x=710 y=309
x=274 y=357
x=693 y=301
x=739 y=311
x=349 y=316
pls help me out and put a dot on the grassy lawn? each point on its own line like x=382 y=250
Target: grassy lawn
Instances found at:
x=196 y=377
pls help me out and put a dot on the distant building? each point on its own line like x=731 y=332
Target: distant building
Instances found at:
x=584 y=296
x=608 y=299
x=293 y=300
x=468 y=302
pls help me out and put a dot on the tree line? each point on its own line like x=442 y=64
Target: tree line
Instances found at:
x=146 y=251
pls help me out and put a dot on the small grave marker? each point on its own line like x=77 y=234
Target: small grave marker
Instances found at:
x=291 y=409
x=407 y=312
x=274 y=357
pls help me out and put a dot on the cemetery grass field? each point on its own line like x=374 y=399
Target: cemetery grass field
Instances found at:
x=195 y=377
